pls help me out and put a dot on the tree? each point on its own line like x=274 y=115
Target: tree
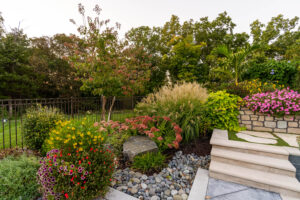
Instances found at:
x=234 y=61
x=184 y=60
x=106 y=66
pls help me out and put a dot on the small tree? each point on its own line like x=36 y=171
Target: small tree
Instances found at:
x=106 y=66
x=234 y=61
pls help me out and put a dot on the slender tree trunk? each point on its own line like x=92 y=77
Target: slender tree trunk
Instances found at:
x=111 y=107
x=103 y=101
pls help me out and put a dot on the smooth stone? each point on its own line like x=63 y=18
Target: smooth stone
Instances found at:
x=174 y=192
x=144 y=177
x=250 y=138
x=134 y=190
x=184 y=196
x=157 y=179
x=259 y=134
x=289 y=138
x=177 y=197
x=144 y=186
x=155 y=198
x=136 y=145
x=136 y=180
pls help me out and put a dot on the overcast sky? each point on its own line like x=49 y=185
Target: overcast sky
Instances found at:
x=48 y=17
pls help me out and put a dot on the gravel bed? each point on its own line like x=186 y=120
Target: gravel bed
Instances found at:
x=172 y=183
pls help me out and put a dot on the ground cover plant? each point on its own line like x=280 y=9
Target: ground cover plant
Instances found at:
x=18 y=177
x=182 y=103
x=279 y=102
x=149 y=162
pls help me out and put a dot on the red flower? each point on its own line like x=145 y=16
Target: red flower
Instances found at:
x=91 y=149
x=89 y=162
x=66 y=195
x=159 y=138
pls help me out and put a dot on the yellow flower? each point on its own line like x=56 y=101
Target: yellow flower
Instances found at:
x=89 y=133
x=66 y=141
x=80 y=143
x=75 y=144
x=68 y=127
x=50 y=142
x=57 y=138
x=82 y=123
x=80 y=149
x=73 y=137
x=101 y=139
x=73 y=128
x=68 y=135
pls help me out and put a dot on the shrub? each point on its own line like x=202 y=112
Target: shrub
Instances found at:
x=246 y=88
x=183 y=103
x=38 y=123
x=116 y=140
x=149 y=162
x=18 y=177
x=79 y=166
x=222 y=110
x=74 y=134
x=279 y=102
x=76 y=175
x=272 y=70
x=162 y=130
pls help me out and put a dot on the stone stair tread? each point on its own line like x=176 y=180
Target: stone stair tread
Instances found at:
x=249 y=146
x=266 y=178
x=254 y=159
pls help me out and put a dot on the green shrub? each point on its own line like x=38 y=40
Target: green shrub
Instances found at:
x=183 y=103
x=149 y=162
x=38 y=123
x=18 y=178
x=272 y=70
x=222 y=110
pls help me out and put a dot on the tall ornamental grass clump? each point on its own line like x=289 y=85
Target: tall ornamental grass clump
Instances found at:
x=18 y=178
x=38 y=122
x=279 y=102
x=183 y=103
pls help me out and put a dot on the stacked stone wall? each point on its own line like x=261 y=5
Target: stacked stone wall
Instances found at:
x=262 y=122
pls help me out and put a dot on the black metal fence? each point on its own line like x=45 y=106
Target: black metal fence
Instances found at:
x=12 y=113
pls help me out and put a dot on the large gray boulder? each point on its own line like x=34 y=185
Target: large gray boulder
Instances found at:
x=136 y=145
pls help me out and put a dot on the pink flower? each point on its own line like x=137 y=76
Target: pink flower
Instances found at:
x=96 y=124
x=159 y=138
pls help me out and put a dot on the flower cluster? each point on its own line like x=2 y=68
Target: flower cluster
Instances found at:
x=279 y=102
x=162 y=130
x=73 y=134
x=256 y=86
x=76 y=175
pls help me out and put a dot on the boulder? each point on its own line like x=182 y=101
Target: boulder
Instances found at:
x=137 y=145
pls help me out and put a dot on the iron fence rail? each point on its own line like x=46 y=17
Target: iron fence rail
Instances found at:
x=12 y=113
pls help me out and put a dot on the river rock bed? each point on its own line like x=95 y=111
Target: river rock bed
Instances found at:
x=173 y=183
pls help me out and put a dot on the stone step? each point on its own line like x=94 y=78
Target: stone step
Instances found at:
x=220 y=140
x=252 y=161
x=285 y=185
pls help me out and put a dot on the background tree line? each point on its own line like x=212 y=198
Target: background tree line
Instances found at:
x=95 y=62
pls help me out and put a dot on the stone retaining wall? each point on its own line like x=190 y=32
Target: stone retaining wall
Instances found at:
x=262 y=122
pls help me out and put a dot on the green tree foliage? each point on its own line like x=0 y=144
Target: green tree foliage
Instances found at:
x=282 y=72
x=17 y=78
x=184 y=60
x=107 y=66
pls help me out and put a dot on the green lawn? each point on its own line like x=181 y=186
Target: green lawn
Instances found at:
x=280 y=142
x=10 y=133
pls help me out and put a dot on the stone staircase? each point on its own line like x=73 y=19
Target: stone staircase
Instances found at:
x=260 y=166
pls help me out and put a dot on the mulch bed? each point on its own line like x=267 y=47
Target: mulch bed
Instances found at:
x=17 y=152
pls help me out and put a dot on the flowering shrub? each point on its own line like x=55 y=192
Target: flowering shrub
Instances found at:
x=76 y=175
x=74 y=135
x=222 y=110
x=279 y=102
x=162 y=130
x=78 y=166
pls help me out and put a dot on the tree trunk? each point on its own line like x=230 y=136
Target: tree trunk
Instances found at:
x=111 y=107
x=103 y=101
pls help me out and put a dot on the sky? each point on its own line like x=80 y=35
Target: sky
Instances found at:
x=48 y=17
